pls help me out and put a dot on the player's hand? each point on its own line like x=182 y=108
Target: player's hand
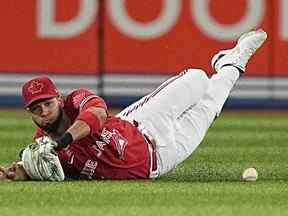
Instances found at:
x=8 y=173
x=15 y=172
x=3 y=175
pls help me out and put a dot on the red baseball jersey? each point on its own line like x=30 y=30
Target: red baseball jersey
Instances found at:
x=117 y=151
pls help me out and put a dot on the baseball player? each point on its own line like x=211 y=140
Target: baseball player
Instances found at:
x=77 y=138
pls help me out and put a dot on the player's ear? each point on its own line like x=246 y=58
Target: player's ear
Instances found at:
x=60 y=98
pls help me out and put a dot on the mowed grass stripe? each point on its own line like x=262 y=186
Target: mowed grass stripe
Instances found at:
x=164 y=197
x=139 y=188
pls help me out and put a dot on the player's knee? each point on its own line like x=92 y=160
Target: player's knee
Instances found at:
x=198 y=73
x=199 y=76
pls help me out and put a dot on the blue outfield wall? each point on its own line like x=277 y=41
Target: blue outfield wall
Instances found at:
x=250 y=103
x=116 y=101
x=122 y=90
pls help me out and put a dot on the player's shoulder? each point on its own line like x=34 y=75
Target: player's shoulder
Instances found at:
x=79 y=97
x=80 y=91
x=79 y=94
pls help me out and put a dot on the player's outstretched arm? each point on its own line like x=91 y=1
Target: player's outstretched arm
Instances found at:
x=88 y=122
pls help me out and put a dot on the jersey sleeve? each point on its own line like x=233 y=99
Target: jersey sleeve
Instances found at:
x=83 y=99
x=38 y=133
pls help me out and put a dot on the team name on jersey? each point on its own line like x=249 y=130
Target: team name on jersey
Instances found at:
x=106 y=135
x=105 y=139
x=89 y=168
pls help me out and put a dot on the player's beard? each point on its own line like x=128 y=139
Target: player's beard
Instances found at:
x=52 y=127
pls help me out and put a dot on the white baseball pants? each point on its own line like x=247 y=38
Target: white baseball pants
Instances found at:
x=179 y=112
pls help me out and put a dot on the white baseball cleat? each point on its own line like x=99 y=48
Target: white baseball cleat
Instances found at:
x=238 y=56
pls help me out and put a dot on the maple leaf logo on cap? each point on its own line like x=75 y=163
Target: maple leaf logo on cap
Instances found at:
x=35 y=87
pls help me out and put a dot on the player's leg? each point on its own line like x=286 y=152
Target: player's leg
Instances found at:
x=171 y=98
x=192 y=125
x=157 y=112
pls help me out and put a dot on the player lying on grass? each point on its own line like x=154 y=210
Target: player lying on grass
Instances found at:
x=77 y=138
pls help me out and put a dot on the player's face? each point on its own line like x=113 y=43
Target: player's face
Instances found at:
x=47 y=113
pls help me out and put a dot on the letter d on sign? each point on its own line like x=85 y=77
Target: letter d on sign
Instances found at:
x=48 y=27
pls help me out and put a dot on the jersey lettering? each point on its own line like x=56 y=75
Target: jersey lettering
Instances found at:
x=89 y=168
x=120 y=142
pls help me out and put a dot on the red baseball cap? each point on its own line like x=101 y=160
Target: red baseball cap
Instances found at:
x=37 y=89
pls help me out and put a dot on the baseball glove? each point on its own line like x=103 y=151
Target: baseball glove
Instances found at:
x=41 y=161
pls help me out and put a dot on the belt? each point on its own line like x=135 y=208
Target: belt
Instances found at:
x=153 y=171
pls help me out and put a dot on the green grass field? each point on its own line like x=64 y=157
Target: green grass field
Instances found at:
x=208 y=183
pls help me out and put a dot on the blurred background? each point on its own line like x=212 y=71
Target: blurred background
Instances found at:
x=122 y=49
